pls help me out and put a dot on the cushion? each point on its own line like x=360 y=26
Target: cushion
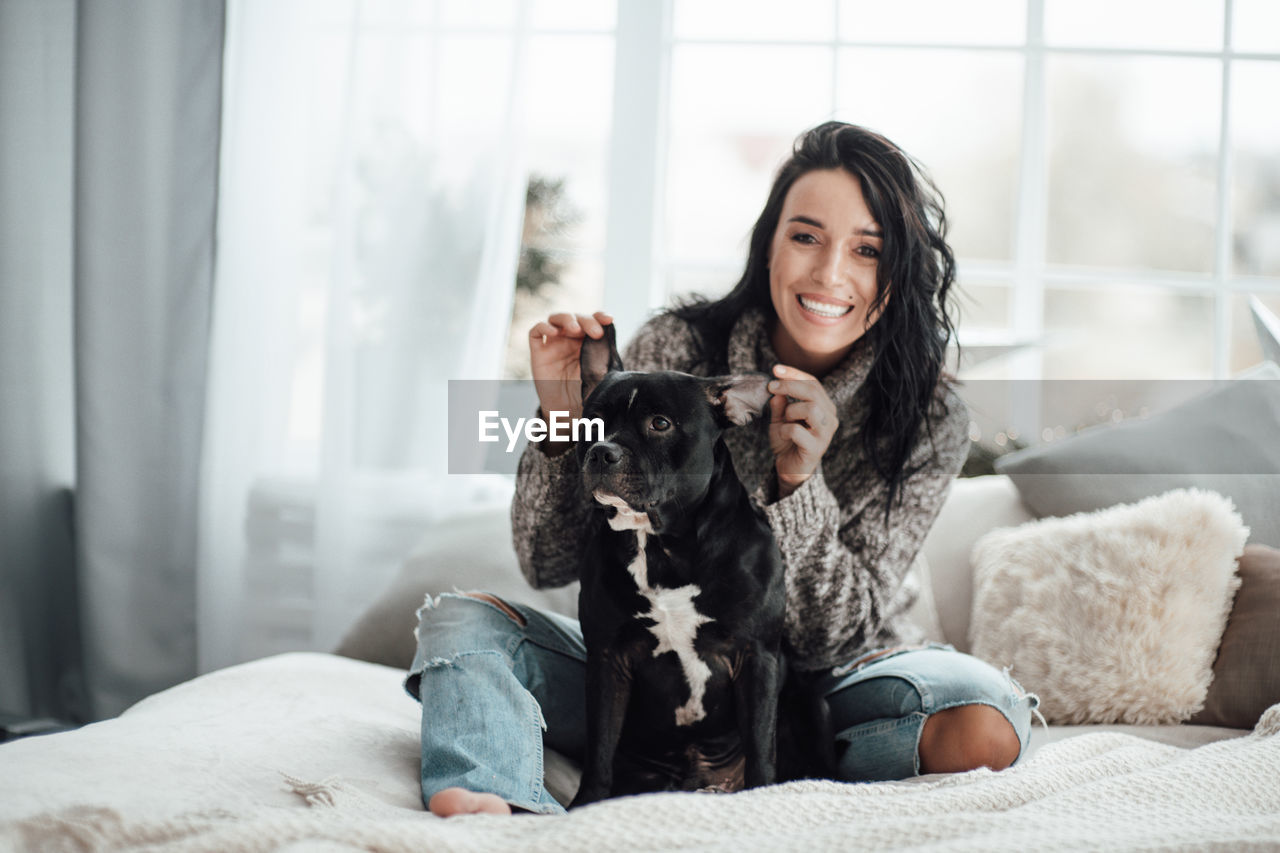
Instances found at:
x=924 y=612
x=471 y=552
x=974 y=506
x=1112 y=616
x=1225 y=441
x=1246 y=673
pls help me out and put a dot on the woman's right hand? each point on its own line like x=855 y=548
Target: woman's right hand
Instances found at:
x=555 y=345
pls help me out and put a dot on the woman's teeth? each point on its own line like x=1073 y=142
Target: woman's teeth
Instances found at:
x=825 y=309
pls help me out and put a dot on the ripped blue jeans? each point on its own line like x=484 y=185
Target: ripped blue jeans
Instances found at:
x=496 y=693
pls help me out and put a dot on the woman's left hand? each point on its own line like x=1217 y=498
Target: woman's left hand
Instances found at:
x=803 y=421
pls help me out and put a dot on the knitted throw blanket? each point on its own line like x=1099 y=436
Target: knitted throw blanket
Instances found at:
x=1098 y=791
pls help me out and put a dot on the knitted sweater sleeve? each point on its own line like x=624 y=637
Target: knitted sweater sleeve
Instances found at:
x=845 y=564
x=549 y=511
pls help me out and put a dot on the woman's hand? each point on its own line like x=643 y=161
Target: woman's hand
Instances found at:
x=802 y=423
x=554 y=348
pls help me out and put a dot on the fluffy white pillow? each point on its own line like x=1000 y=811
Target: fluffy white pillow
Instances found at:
x=1112 y=616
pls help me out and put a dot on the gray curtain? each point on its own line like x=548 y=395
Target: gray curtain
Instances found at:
x=107 y=212
x=39 y=642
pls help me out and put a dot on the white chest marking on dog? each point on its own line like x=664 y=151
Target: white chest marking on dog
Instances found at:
x=675 y=619
x=675 y=624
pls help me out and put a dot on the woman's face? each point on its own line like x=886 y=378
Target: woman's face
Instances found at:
x=822 y=270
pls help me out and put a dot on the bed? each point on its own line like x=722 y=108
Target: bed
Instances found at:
x=316 y=751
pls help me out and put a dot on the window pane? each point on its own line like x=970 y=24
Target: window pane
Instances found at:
x=568 y=97
x=485 y=63
x=1255 y=25
x=934 y=21
x=711 y=282
x=568 y=101
x=497 y=14
x=795 y=20
x=984 y=307
x=594 y=15
x=724 y=147
x=1133 y=161
x=924 y=101
x=581 y=289
x=378 y=13
x=1245 y=351
x=1123 y=332
x=1255 y=137
x=1191 y=25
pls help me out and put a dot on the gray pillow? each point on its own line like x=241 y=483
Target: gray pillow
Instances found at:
x=1226 y=441
x=1246 y=673
x=472 y=552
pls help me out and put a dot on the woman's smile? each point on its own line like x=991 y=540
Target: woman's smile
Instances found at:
x=824 y=310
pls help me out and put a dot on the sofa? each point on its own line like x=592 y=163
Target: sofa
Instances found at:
x=320 y=751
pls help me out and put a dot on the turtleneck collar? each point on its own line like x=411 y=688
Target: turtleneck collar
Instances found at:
x=751 y=351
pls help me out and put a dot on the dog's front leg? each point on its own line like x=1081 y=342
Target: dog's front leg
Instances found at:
x=756 y=695
x=608 y=692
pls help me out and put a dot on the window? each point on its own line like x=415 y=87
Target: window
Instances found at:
x=1111 y=169
x=570 y=62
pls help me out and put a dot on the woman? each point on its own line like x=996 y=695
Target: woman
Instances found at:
x=844 y=301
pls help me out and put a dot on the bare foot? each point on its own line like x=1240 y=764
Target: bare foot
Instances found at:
x=454 y=801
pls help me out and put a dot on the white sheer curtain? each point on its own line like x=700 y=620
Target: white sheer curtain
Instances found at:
x=371 y=199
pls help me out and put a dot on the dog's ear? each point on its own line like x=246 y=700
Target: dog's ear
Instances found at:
x=597 y=358
x=737 y=400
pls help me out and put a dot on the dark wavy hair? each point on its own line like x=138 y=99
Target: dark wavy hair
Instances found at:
x=916 y=267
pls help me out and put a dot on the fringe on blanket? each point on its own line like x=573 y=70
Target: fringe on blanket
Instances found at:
x=323 y=793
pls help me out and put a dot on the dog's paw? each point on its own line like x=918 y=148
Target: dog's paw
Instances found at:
x=587 y=796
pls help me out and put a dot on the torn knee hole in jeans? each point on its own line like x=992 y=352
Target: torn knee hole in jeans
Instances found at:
x=498 y=603
x=1032 y=699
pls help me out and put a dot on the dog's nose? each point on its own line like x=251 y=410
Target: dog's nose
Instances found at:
x=604 y=454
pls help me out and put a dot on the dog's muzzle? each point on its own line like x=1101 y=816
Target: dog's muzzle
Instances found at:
x=608 y=468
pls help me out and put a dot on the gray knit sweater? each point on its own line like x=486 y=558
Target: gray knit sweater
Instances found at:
x=845 y=568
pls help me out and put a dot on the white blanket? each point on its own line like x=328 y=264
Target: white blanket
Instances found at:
x=304 y=752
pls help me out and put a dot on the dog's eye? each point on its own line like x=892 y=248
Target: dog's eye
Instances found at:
x=659 y=424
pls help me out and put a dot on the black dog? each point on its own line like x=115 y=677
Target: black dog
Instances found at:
x=682 y=596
